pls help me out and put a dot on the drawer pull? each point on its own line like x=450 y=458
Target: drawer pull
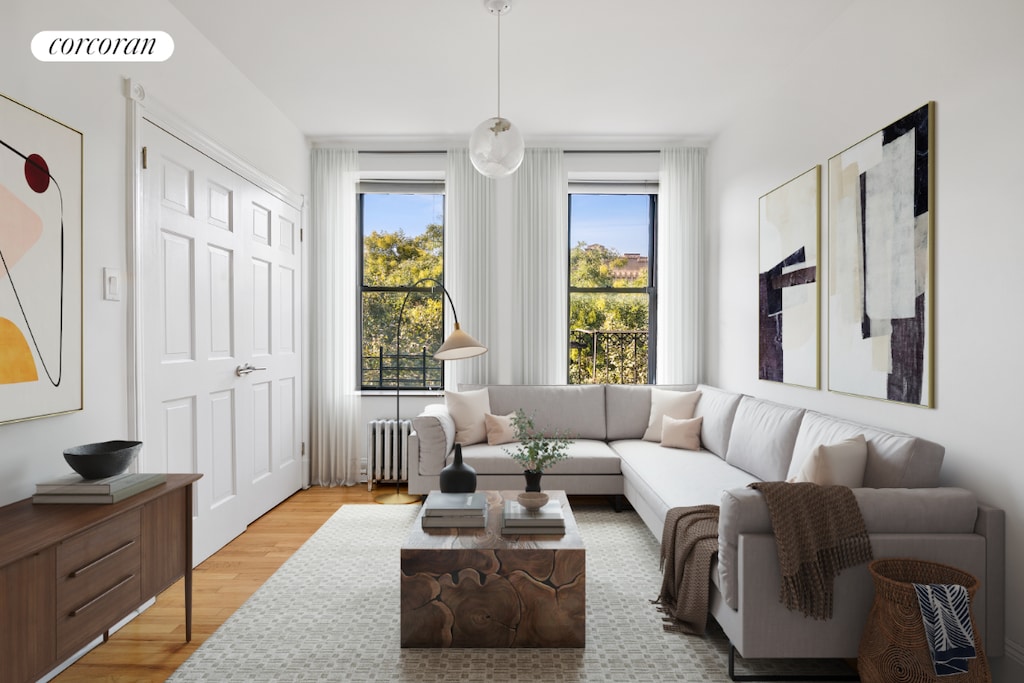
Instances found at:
x=92 y=564
x=76 y=612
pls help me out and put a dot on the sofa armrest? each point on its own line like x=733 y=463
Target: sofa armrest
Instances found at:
x=992 y=525
x=435 y=432
x=945 y=510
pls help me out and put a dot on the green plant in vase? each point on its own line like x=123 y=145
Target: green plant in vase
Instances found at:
x=535 y=452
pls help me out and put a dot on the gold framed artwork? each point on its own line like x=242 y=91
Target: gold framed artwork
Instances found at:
x=40 y=264
x=880 y=289
x=789 y=226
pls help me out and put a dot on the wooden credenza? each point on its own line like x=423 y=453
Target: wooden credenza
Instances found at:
x=69 y=572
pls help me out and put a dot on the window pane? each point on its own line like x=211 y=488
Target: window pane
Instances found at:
x=421 y=335
x=403 y=238
x=610 y=240
x=608 y=338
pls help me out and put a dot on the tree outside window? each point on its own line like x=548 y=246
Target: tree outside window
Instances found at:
x=611 y=288
x=403 y=242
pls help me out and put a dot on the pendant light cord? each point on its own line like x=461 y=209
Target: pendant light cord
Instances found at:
x=499 y=65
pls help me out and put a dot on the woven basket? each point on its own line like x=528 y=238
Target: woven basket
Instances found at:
x=894 y=648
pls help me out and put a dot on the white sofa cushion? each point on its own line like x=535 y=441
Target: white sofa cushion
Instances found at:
x=682 y=434
x=576 y=411
x=677 y=404
x=628 y=408
x=894 y=459
x=838 y=464
x=718 y=408
x=763 y=434
x=499 y=429
x=468 y=408
x=586 y=457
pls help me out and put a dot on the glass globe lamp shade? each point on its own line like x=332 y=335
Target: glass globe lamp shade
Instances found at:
x=496 y=148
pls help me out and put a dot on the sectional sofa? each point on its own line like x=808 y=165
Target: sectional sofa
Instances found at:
x=742 y=439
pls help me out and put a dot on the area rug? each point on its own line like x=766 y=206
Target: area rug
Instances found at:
x=331 y=613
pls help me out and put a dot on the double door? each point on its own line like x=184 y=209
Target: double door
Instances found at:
x=221 y=346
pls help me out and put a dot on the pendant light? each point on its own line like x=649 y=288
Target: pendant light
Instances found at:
x=496 y=146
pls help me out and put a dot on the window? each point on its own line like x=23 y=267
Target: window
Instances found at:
x=612 y=299
x=403 y=242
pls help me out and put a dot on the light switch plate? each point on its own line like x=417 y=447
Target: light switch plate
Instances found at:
x=111 y=284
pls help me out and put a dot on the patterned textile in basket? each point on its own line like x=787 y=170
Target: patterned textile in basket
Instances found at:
x=894 y=647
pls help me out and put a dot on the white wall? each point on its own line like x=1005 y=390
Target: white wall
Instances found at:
x=201 y=87
x=877 y=62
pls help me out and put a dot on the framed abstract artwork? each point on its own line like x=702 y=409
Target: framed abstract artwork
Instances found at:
x=881 y=199
x=789 y=225
x=40 y=264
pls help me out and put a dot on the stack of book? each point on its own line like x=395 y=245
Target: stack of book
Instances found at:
x=73 y=488
x=547 y=520
x=459 y=510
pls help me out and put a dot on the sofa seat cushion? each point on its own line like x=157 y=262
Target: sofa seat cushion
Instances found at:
x=668 y=477
x=585 y=457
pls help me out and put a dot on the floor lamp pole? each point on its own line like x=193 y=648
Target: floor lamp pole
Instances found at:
x=458 y=345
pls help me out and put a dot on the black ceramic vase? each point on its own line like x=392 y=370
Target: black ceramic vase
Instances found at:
x=458 y=477
x=533 y=479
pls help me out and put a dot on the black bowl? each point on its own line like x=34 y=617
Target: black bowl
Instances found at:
x=101 y=460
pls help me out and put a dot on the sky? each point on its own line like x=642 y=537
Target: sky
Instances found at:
x=615 y=221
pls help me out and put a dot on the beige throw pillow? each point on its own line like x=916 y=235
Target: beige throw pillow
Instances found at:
x=467 y=409
x=664 y=402
x=499 y=429
x=682 y=433
x=839 y=464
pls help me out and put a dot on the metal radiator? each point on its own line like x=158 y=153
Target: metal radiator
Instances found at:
x=385 y=451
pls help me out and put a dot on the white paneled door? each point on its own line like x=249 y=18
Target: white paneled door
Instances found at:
x=222 y=365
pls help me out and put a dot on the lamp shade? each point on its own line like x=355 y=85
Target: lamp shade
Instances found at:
x=459 y=345
x=496 y=148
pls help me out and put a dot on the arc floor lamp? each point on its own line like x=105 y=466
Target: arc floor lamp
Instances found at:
x=457 y=346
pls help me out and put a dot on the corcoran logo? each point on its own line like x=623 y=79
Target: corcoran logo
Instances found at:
x=102 y=46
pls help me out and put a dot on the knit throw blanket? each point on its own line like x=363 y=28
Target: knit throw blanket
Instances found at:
x=689 y=542
x=819 y=532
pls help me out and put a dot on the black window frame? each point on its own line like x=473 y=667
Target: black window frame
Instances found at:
x=436 y=188
x=650 y=290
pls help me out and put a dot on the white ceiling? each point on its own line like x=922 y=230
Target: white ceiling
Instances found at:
x=571 y=69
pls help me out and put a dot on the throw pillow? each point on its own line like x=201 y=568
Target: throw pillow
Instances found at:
x=664 y=402
x=839 y=464
x=682 y=433
x=499 y=429
x=467 y=409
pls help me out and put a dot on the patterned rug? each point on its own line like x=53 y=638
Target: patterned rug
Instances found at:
x=331 y=613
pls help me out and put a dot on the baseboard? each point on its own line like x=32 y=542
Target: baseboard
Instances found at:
x=1014 y=651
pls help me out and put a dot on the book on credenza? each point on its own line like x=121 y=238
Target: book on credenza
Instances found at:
x=76 y=484
x=550 y=514
x=119 y=491
x=440 y=504
x=459 y=521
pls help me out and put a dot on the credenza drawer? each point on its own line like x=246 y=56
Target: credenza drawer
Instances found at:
x=98 y=581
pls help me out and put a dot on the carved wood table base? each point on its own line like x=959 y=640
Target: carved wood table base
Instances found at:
x=477 y=588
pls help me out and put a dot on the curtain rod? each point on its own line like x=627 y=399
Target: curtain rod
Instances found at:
x=564 y=151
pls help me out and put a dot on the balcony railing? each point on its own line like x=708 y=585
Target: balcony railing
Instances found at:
x=414 y=371
x=608 y=357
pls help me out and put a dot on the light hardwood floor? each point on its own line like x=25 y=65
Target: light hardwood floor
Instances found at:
x=153 y=645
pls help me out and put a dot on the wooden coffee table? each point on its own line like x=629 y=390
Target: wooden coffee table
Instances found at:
x=477 y=588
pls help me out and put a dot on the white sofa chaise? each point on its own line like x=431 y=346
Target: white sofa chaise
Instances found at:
x=742 y=440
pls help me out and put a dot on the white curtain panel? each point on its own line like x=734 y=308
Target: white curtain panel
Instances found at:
x=337 y=426
x=542 y=238
x=468 y=271
x=680 y=260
